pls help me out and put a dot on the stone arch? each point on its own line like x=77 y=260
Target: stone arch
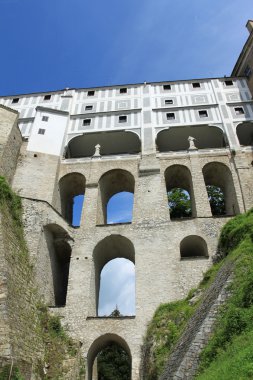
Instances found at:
x=99 y=344
x=111 y=247
x=218 y=174
x=112 y=182
x=70 y=185
x=53 y=264
x=111 y=142
x=179 y=176
x=176 y=138
x=244 y=133
x=193 y=246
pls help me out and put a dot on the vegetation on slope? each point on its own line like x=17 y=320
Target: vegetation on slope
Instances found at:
x=229 y=353
x=221 y=356
x=58 y=347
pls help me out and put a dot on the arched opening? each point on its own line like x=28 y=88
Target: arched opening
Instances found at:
x=110 y=248
x=216 y=199
x=107 y=349
x=176 y=138
x=54 y=258
x=245 y=134
x=116 y=142
x=120 y=208
x=180 y=192
x=117 y=288
x=218 y=176
x=72 y=189
x=113 y=182
x=193 y=246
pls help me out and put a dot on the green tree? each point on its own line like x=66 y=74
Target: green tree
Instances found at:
x=179 y=203
x=216 y=199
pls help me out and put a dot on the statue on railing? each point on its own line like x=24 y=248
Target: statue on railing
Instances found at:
x=97 y=151
x=192 y=143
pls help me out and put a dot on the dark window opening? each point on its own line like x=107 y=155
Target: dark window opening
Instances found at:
x=216 y=199
x=45 y=118
x=86 y=122
x=170 y=116
x=88 y=108
x=193 y=246
x=41 y=131
x=123 y=90
x=228 y=83
x=239 y=111
x=167 y=87
x=196 y=85
x=91 y=93
x=203 y=113
x=47 y=97
x=15 y=100
x=122 y=119
x=179 y=203
x=168 y=101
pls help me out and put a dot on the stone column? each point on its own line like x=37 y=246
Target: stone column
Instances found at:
x=203 y=208
x=150 y=197
x=89 y=213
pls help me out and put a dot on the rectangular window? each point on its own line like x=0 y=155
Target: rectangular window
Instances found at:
x=166 y=87
x=91 y=93
x=15 y=100
x=45 y=118
x=168 y=101
x=196 y=85
x=88 y=108
x=41 y=131
x=203 y=113
x=239 y=111
x=123 y=90
x=47 y=97
x=228 y=83
x=86 y=122
x=122 y=119
x=170 y=116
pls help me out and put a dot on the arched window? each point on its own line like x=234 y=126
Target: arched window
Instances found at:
x=110 y=248
x=117 y=288
x=245 y=134
x=193 y=246
x=116 y=181
x=176 y=138
x=54 y=258
x=220 y=188
x=109 y=349
x=120 y=208
x=72 y=189
x=180 y=192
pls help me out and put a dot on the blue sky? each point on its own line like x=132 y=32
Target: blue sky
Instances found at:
x=54 y=44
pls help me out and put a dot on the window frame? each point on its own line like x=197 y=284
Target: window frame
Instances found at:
x=86 y=122
x=122 y=119
x=170 y=116
x=203 y=114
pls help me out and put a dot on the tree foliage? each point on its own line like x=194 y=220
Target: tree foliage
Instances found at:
x=216 y=199
x=179 y=203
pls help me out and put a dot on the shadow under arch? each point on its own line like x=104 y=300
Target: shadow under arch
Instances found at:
x=110 y=183
x=70 y=186
x=179 y=176
x=111 y=247
x=102 y=342
x=218 y=174
x=176 y=138
x=54 y=256
x=111 y=142
x=244 y=133
x=193 y=246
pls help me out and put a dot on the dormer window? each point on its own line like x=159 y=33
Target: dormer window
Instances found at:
x=123 y=90
x=228 y=83
x=167 y=87
x=91 y=93
x=47 y=97
x=196 y=85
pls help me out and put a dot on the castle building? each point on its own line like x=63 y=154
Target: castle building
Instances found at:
x=146 y=139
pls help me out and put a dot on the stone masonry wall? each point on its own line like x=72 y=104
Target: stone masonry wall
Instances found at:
x=184 y=359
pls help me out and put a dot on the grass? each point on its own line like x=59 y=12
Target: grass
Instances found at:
x=234 y=324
